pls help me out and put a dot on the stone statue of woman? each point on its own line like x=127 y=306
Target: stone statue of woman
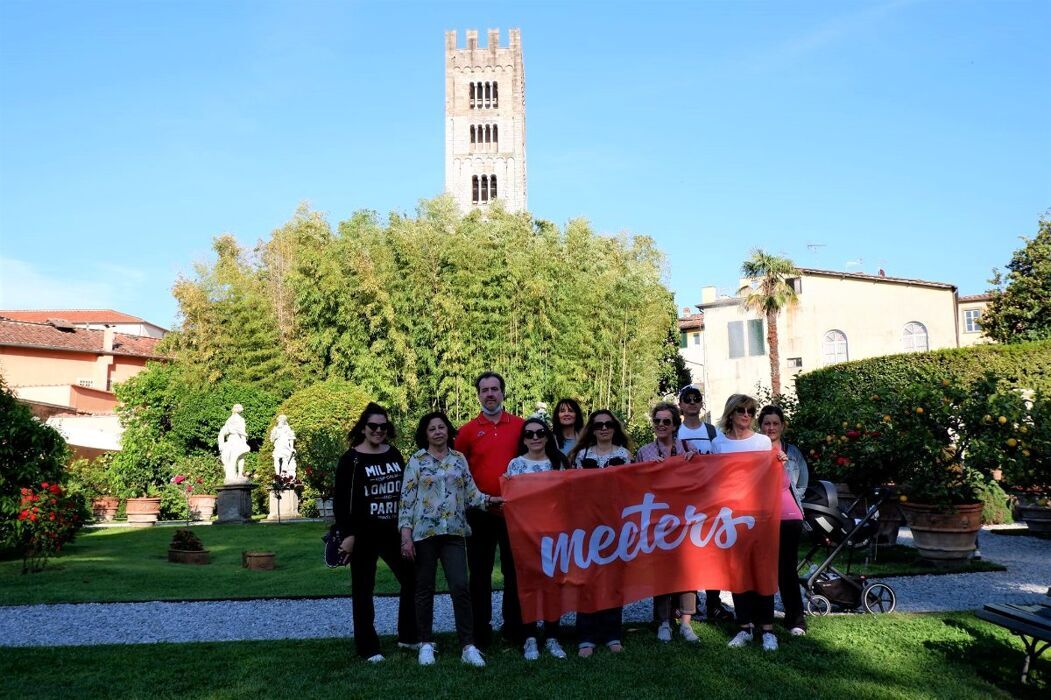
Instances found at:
x=284 y=439
x=233 y=446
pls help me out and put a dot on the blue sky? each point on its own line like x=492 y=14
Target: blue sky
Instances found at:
x=909 y=136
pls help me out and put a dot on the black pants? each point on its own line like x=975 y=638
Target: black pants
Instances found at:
x=754 y=609
x=602 y=627
x=452 y=552
x=787 y=577
x=489 y=531
x=369 y=546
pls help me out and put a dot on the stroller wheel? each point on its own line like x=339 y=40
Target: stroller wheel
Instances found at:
x=879 y=598
x=818 y=605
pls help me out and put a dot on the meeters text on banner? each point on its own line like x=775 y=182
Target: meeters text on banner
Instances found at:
x=591 y=539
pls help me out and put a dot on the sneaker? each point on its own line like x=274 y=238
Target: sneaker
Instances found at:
x=426 y=654
x=769 y=641
x=687 y=633
x=977 y=554
x=529 y=651
x=471 y=656
x=555 y=649
x=743 y=638
x=664 y=632
x=375 y=658
x=411 y=647
x=585 y=652
x=798 y=631
x=615 y=647
x=719 y=613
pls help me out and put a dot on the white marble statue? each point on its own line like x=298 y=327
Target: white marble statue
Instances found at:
x=284 y=439
x=233 y=446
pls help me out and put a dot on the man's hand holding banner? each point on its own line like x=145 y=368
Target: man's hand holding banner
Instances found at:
x=592 y=539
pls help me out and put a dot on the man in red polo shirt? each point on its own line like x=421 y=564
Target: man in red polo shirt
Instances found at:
x=489 y=441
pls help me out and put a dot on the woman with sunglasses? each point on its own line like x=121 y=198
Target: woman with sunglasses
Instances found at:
x=603 y=443
x=538 y=452
x=365 y=503
x=437 y=491
x=793 y=486
x=569 y=419
x=666 y=420
x=738 y=436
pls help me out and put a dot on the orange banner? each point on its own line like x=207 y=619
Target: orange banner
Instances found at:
x=591 y=539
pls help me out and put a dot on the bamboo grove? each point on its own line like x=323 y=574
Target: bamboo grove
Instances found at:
x=413 y=309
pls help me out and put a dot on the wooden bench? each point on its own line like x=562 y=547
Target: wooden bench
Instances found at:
x=1030 y=622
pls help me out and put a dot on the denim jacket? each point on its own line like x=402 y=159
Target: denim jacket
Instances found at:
x=798 y=474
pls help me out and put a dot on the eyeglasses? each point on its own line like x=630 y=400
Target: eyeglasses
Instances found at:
x=533 y=434
x=663 y=421
x=604 y=425
x=692 y=399
x=377 y=427
x=742 y=410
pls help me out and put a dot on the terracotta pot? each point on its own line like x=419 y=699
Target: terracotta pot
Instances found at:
x=105 y=508
x=944 y=534
x=260 y=561
x=183 y=556
x=1037 y=518
x=202 y=506
x=143 y=511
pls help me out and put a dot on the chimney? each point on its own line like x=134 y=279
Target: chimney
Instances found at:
x=107 y=339
x=708 y=294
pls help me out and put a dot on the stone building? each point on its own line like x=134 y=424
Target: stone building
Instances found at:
x=485 y=155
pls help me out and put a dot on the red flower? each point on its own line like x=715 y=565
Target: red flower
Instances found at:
x=842 y=461
x=43 y=484
x=56 y=489
x=853 y=434
x=178 y=479
x=23 y=515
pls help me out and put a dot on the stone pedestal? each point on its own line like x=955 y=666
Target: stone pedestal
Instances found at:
x=234 y=504
x=287 y=505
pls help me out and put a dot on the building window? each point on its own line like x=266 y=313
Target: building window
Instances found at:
x=472 y=134
x=496 y=97
x=496 y=134
x=971 y=319
x=795 y=363
x=682 y=339
x=696 y=338
x=474 y=189
x=914 y=337
x=488 y=96
x=488 y=134
x=735 y=331
x=492 y=186
x=471 y=86
x=834 y=347
x=756 y=341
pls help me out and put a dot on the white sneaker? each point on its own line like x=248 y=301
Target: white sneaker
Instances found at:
x=664 y=632
x=555 y=649
x=797 y=631
x=529 y=651
x=743 y=639
x=426 y=654
x=375 y=658
x=411 y=647
x=472 y=657
x=769 y=641
x=687 y=633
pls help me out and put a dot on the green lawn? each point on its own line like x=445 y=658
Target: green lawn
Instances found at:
x=851 y=657
x=130 y=564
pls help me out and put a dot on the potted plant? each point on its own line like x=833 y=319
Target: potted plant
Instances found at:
x=187 y=548
x=138 y=472
x=1025 y=445
x=318 y=461
x=201 y=474
x=91 y=478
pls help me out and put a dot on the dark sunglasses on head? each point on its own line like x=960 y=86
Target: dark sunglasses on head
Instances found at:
x=691 y=399
x=663 y=421
x=538 y=433
x=592 y=463
x=376 y=427
x=604 y=425
x=742 y=410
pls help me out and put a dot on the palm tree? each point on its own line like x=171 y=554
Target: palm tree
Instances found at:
x=771 y=294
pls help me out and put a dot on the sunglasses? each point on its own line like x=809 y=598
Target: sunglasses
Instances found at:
x=532 y=434
x=604 y=425
x=592 y=463
x=691 y=399
x=742 y=410
x=377 y=427
x=663 y=421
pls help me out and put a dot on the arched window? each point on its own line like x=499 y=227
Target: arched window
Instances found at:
x=492 y=187
x=834 y=347
x=488 y=95
x=914 y=337
x=485 y=188
x=496 y=97
x=472 y=134
x=474 y=189
x=496 y=134
x=488 y=134
x=471 y=90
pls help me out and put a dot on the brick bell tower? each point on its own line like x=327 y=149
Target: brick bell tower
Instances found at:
x=485 y=156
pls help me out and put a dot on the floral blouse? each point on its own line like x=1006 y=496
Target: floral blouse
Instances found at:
x=436 y=494
x=522 y=465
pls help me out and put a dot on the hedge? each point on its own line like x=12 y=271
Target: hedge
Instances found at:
x=1025 y=365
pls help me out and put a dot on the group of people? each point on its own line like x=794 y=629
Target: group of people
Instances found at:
x=443 y=505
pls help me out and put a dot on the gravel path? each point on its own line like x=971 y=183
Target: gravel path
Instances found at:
x=1027 y=579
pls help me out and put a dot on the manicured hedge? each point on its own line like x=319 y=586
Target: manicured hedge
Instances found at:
x=1025 y=365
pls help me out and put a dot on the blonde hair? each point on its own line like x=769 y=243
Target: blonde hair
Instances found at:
x=732 y=404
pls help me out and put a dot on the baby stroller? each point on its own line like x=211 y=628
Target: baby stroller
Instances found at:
x=835 y=530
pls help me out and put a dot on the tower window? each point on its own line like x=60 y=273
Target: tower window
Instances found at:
x=488 y=134
x=472 y=134
x=496 y=135
x=496 y=99
x=492 y=186
x=471 y=86
x=474 y=189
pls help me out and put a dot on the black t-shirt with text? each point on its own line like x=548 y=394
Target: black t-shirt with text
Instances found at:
x=368 y=488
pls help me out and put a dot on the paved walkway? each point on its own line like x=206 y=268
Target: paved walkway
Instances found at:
x=1027 y=579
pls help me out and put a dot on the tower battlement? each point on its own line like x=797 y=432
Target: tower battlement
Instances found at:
x=492 y=40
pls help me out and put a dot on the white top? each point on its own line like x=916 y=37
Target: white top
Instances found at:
x=522 y=465
x=696 y=439
x=618 y=453
x=757 y=443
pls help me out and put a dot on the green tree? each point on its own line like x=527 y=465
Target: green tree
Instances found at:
x=1019 y=308
x=768 y=296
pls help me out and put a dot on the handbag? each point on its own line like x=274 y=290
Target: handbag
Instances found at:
x=334 y=556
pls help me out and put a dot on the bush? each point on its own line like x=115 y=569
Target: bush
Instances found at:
x=30 y=453
x=199 y=415
x=321 y=416
x=91 y=477
x=49 y=517
x=996 y=509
